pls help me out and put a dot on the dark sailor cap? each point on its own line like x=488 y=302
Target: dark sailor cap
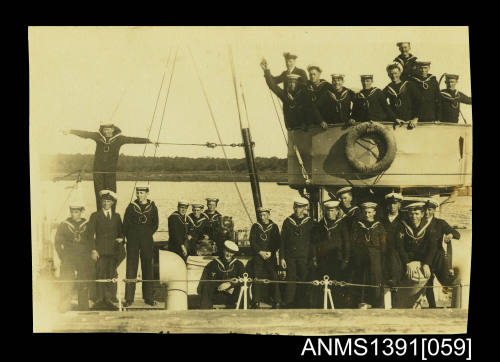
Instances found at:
x=288 y=55
x=451 y=76
x=231 y=246
x=402 y=42
x=337 y=76
x=311 y=67
x=343 y=190
x=263 y=209
x=331 y=204
x=107 y=195
x=366 y=76
x=368 y=205
x=422 y=64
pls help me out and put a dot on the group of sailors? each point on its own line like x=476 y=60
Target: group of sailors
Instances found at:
x=412 y=96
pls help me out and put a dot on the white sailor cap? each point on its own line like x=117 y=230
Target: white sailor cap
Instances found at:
x=197 y=206
x=331 y=204
x=402 y=42
x=343 y=190
x=263 y=209
x=214 y=199
x=231 y=246
x=337 y=76
x=142 y=187
x=183 y=203
x=107 y=194
x=394 y=196
x=369 y=205
x=106 y=125
x=366 y=76
x=300 y=201
x=394 y=65
x=416 y=206
x=432 y=203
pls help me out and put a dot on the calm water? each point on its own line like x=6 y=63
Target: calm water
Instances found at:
x=166 y=194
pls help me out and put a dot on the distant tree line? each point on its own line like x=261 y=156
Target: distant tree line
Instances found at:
x=66 y=163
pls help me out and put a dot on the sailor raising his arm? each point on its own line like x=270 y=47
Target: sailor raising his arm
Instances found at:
x=108 y=142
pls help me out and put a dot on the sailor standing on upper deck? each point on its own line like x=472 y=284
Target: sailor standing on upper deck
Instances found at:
x=342 y=99
x=427 y=85
x=290 y=60
x=214 y=224
x=140 y=222
x=451 y=99
x=406 y=59
x=198 y=227
x=108 y=142
x=404 y=98
x=295 y=250
x=369 y=103
x=321 y=91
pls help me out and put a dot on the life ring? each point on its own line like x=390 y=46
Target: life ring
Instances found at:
x=367 y=129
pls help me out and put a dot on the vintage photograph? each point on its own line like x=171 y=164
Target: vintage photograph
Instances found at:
x=291 y=180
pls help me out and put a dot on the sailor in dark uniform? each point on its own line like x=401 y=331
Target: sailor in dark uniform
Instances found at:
x=265 y=240
x=214 y=224
x=415 y=247
x=368 y=258
x=73 y=248
x=406 y=59
x=427 y=85
x=290 y=60
x=106 y=237
x=328 y=240
x=299 y=109
x=321 y=91
x=198 y=227
x=108 y=143
x=451 y=99
x=404 y=98
x=442 y=233
x=370 y=103
x=221 y=268
x=178 y=231
x=295 y=251
x=392 y=223
x=342 y=99
x=140 y=222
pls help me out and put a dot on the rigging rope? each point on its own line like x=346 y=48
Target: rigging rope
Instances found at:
x=277 y=116
x=231 y=60
x=218 y=135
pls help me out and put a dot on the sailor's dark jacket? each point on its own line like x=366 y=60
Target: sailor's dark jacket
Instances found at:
x=328 y=237
x=404 y=100
x=265 y=237
x=450 y=104
x=296 y=237
x=140 y=220
x=71 y=238
x=198 y=226
x=220 y=269
x=408 y=64
x=430 y=107
x=370 y=105
x=282 y=78
x=178 y=227
x=108 y=149
x=415 y=244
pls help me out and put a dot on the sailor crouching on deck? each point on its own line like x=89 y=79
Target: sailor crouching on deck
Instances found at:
x=368 y=258
x=106 y=237
x=140 y=222
x=73 y=248
x=221 y=268
x=416 y=250
x=295 y=251
x=265 y=240
x=178 y=231
x=441 y=234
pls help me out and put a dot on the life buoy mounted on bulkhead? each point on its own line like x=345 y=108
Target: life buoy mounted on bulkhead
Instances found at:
x=387 y=150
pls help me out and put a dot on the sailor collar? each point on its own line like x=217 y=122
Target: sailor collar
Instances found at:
x=374 y=225
x=334 y=225
x=423 y=82
x=451 y=95
x=351 y=211
x=176 y=213
x=138 y=209
x=400 y=91
x=266 y=229
x=388 y=217
x=197 y=222
x=212 y=217
x=403 y=60
x=371 y=92
x=111 y=139
x=72 y=225
x=420 y=233
x=342 y=96
x=304 y=220
x=222 y=267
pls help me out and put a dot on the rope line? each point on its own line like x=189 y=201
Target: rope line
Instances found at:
x=278 y=117
x=218 y=135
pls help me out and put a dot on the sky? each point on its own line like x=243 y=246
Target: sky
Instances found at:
x=82 y=76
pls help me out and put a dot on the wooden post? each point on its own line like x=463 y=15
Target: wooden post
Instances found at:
x=387 y=298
